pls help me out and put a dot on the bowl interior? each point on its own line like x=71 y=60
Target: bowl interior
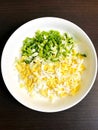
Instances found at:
x=12 y=48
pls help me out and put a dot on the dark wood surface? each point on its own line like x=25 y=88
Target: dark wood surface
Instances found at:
x=14 y=116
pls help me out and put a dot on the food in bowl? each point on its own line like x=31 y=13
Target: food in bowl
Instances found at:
x=31 y=96
x=51 y=65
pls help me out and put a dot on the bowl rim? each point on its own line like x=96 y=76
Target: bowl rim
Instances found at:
x=95 y=73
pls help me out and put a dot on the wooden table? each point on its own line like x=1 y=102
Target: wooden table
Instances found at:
x=14 y=116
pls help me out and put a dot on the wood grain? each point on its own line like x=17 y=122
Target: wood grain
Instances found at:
x=14 y=116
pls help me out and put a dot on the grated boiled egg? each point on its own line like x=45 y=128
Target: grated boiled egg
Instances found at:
x=52 y=79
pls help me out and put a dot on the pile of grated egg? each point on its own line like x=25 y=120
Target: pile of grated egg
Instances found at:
x=52 y=79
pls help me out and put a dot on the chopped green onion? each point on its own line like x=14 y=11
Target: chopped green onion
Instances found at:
x=49 y=45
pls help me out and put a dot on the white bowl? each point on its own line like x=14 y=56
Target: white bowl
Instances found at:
x=11 y=50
